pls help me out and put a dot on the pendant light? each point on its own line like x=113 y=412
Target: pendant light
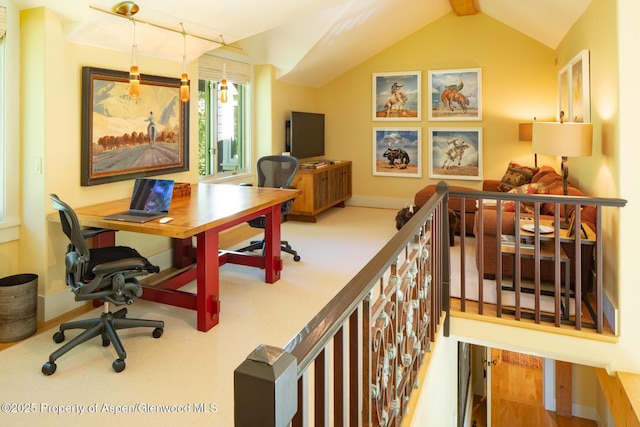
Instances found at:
x=134 y=73
x=223 y=85
x=184 y=80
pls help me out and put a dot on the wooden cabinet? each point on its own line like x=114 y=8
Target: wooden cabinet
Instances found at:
x=321 y=188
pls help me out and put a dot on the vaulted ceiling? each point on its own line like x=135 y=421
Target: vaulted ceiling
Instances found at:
x=309 y=42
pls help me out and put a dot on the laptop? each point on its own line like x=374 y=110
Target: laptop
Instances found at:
x=150 y=199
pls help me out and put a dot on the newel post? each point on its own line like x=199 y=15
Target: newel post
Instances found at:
x=265 y=388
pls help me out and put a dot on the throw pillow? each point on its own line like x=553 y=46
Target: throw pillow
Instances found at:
x=515 y=176
x=526 y=207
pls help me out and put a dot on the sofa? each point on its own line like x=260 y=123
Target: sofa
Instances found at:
x=517 y=179
x=545 y=181
x=464 y=213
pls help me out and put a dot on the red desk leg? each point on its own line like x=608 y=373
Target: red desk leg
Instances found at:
x=208 y=267
x=273 y=261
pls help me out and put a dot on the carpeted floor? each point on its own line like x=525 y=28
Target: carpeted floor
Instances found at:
x=186 y=376
x=489 y=291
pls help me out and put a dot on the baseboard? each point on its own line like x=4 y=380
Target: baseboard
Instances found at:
x=379 y=202
x=610 y=312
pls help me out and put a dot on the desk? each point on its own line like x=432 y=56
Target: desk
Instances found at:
x=209 y=209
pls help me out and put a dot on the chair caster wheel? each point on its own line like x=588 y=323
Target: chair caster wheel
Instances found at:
x=58 y=337
x=157 y=332
x=296 y=258
x=49 y=368
x=119 y=365
x=105 y=342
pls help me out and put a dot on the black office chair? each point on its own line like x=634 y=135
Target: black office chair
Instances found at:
x=274 y=172
x=108 y=274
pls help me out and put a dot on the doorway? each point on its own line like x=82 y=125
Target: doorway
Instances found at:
x=508 y=388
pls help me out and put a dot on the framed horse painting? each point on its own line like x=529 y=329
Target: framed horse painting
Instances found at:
x=455 y=94
x=396 y=96
x=124 y=137
x=455 y=153
x=397 y=152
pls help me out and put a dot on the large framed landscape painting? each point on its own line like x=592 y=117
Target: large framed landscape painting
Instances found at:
x=455 y=94
x=124 y=137
x=397 y=152
x=396 y=96
x=456 y=153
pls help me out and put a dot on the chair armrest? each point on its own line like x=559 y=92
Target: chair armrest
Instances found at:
x=88 y=233
x=490 y=185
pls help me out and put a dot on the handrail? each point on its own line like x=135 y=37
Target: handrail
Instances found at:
x=381 y=325
x=318 y=332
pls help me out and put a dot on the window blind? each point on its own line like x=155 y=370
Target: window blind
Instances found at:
x=3 y=21
x=210 y=68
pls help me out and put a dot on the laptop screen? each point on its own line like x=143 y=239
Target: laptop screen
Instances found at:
x=152 y=195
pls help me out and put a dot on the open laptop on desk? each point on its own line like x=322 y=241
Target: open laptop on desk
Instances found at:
x=150 y=199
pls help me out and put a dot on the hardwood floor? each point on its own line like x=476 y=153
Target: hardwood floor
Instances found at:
x=517 y=399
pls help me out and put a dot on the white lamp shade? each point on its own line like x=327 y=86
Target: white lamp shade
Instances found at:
x=562 y=139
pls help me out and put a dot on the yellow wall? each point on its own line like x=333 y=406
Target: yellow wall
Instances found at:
x=51 y=86
x=518 y=83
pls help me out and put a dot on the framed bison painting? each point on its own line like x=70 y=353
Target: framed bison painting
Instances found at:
x=396 y=96
x=455 y=94
x=455 y=153
x=124 y=137
x=397 y=152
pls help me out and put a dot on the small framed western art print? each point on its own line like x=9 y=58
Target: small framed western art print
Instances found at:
x=455 y=94
x=455 y=153
x=396 y=96
x=397 y=152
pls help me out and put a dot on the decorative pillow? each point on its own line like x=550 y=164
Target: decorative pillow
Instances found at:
x=525 y=207
x=515 y=176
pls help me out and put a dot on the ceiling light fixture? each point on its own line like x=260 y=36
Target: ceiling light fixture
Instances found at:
x=224 y=95
x=184 y=80
x=128 y=9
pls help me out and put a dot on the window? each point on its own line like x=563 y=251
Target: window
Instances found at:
x=222 y=127
x=221 y=136
x=9 y=110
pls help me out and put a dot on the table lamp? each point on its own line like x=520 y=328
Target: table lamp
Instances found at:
x=565 y=140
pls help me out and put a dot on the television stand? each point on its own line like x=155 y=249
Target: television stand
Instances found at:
x=322 y=188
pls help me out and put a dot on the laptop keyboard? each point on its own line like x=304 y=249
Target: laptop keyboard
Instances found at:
x=142 y=214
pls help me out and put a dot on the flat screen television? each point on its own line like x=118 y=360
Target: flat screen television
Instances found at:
x=305 y=135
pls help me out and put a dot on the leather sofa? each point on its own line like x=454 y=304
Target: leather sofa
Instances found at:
x=552 y=182
x=464 y=213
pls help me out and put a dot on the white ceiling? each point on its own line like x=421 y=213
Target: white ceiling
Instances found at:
x=309 y=42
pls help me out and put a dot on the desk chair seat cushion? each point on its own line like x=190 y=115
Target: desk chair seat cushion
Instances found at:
x=116 y=258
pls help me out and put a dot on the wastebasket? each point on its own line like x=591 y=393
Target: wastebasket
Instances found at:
x=18 y=307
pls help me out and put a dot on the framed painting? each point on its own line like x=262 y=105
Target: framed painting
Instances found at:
x=573 y=90
x=396 y=96
x=455 y=153
x=397 y=152
x=455 y=94
x=124 y=137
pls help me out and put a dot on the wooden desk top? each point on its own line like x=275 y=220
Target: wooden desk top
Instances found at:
x=208 y=206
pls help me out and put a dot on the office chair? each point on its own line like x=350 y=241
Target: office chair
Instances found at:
x=274 y=172
x=108 y=274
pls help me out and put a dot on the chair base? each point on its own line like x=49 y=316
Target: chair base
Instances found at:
x=106 y=326
x=259 y=245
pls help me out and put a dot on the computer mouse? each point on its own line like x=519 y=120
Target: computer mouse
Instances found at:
x=165 y=220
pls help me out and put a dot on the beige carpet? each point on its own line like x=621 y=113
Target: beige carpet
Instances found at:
x=489 y=291
x=186 y=372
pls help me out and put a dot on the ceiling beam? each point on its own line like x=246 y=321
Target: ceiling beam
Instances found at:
x=464 y=7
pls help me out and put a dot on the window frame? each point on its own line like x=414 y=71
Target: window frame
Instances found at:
x=9 y=134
